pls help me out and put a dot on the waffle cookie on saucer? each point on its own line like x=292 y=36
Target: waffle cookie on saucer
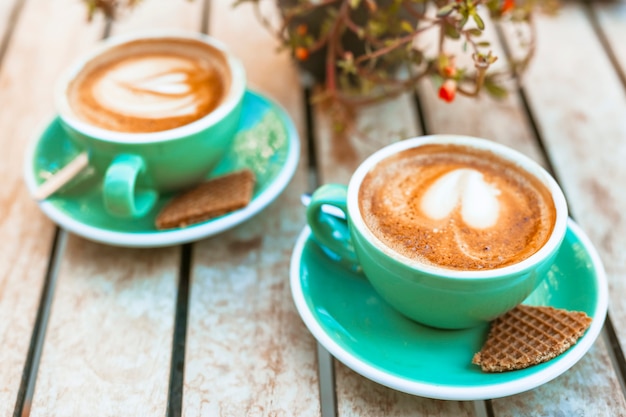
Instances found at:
x=210 y=199
x=529 y=335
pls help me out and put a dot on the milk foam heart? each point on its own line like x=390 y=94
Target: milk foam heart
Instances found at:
x=465 y=187
x=456 y=207
x=150 y=85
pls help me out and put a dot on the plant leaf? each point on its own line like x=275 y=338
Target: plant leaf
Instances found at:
x=451 y=31
x=406 y=26
x=445 y=10
x=479 y=21
x=495 y=90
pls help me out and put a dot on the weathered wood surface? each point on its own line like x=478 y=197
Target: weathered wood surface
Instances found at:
x=108 y=341
x=607 y=201
x=111 y=325
x=26 y=77
x=248 y=353
x=579 y=107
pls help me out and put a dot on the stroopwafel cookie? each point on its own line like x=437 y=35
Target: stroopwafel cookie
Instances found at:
x=529 y=335
x=210 y=199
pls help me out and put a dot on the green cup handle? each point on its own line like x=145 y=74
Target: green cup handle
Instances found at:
x=329 y=231
x=121 y=196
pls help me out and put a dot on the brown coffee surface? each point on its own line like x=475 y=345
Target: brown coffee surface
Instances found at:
x=456 y=207
x=150 y=85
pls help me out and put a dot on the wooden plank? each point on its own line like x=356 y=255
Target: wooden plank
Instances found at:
x=589 y=388
x=575 y=105
x=107 y=349
x=374 y=127
x=26 y=235
x=248 y=352
x=358 y=396
x=108 y=346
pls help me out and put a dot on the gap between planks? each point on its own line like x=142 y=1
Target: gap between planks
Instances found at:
x=179 y=337
x=175 y=391
x=602 y=37
x=31 y=365
x=325 y=364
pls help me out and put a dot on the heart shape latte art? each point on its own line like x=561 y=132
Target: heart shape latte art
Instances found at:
x=467 y=188
x=151 y=87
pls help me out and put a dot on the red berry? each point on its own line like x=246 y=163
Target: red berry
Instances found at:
x=447 y=91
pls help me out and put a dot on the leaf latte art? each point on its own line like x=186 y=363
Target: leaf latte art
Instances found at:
x=456 y=207
x=150 y=86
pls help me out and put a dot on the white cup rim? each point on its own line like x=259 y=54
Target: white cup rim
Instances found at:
x=560 y=225
x=232 y=99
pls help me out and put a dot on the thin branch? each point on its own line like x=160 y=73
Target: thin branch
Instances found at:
x=399 y=42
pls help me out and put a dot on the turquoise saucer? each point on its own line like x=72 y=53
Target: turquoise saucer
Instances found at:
x=355 y=325
x=267 y=142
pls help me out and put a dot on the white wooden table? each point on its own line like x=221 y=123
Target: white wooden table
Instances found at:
x=210 y=328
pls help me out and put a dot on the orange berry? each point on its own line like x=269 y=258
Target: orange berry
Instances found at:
x=447 y=91
x=301 y=53
x=507 y=5
x=449 y=71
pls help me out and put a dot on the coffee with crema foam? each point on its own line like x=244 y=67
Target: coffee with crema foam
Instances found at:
x=456 y=207
x=150 y=85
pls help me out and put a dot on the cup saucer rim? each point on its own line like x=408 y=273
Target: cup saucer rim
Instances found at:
x=367 y=366
x=159 y=238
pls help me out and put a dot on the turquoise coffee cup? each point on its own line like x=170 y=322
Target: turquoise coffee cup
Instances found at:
x=137 y=167
x=432 y=295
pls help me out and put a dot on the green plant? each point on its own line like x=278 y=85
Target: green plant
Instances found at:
x=392 y=59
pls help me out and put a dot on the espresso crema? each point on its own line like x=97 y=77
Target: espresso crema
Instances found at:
x=456 y=207
x=150 y=85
